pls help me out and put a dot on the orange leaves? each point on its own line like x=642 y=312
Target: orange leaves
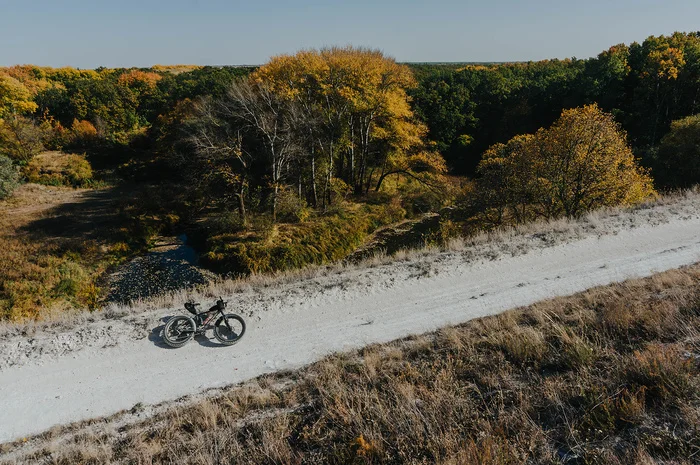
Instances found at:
x=139 y=79
x=361 y=79
x=666 y=64
x=83 y=129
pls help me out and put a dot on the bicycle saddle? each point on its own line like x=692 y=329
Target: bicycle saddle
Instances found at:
x=191 y=307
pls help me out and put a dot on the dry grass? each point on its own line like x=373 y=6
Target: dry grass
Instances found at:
x=58 y=243
x=608 y=376
x=37 y=276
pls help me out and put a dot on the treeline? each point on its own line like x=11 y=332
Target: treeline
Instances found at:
x=111 y=114
x=645 y=86
x=304 y=132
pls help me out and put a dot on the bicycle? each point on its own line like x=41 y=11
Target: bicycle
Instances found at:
x=228 y=328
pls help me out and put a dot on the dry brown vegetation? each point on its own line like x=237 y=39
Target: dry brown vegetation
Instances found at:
x=57 y=243
x=33 y=273
x=607 y=376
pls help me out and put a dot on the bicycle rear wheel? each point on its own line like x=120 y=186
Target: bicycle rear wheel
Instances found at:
x=229 y=329
x=178 y=331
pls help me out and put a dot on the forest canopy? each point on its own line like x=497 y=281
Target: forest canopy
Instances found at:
x=341 y=122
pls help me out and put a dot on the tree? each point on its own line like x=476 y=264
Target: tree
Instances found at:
x=355 y=109
x=9 y=177
x=269 y=118
x=678 y=160
x=216 y=138
x=250 y=124
x=20 y=138
x=508 y=181
x=582 y=162
x=14 y=97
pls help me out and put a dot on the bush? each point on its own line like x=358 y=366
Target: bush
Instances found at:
x=57 y=169
x=21 y=138
x=677 y=163
x=9 y=177
x=291 y=208
x=83 y=133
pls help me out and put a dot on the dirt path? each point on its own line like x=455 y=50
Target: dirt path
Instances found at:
x=304 y=321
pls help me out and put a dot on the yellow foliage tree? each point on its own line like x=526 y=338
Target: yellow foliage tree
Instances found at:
x=356 y=111
x=582 y=162
x=15 y=98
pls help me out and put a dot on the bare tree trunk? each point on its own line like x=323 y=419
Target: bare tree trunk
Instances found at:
x=330 y=174
x=241 y=204
x=352 y=153
x=313 y=177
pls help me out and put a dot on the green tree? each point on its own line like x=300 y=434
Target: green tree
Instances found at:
x=9 y=177
x=677 y=163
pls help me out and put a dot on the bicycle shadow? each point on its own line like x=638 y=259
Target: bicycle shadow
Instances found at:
x=156 y=337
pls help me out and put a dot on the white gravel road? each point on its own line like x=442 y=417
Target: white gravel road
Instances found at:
x=317 y=316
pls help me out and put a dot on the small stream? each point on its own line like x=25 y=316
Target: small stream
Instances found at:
x=171 y=265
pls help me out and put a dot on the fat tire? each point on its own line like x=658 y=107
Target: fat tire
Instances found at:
x=170 y=323
x=217 y=327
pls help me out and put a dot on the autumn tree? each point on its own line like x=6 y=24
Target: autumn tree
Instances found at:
x=508 y=181
x=20 y=138
x=582 y=162
x=356 y=113
x=15 y=98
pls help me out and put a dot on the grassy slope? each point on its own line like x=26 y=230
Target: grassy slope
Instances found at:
x=57 y=243
x=321 y=238
x=606 y=376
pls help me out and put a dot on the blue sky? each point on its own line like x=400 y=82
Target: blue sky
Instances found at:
x=95 y=33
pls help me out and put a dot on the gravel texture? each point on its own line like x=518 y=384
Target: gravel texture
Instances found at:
x=170 y=266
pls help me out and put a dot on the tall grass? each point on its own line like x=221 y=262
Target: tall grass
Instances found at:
x=273 y=248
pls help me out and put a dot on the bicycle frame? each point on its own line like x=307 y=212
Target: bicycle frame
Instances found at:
x=203 y=322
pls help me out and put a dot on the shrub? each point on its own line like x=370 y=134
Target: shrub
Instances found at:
x=677 y=162
x=288 y=246
x=83 y=133
x=57 y=169
x=9 y=177
x=291 y=208
x=20 y=138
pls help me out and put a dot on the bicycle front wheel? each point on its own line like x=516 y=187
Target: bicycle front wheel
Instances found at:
x=229 y=329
